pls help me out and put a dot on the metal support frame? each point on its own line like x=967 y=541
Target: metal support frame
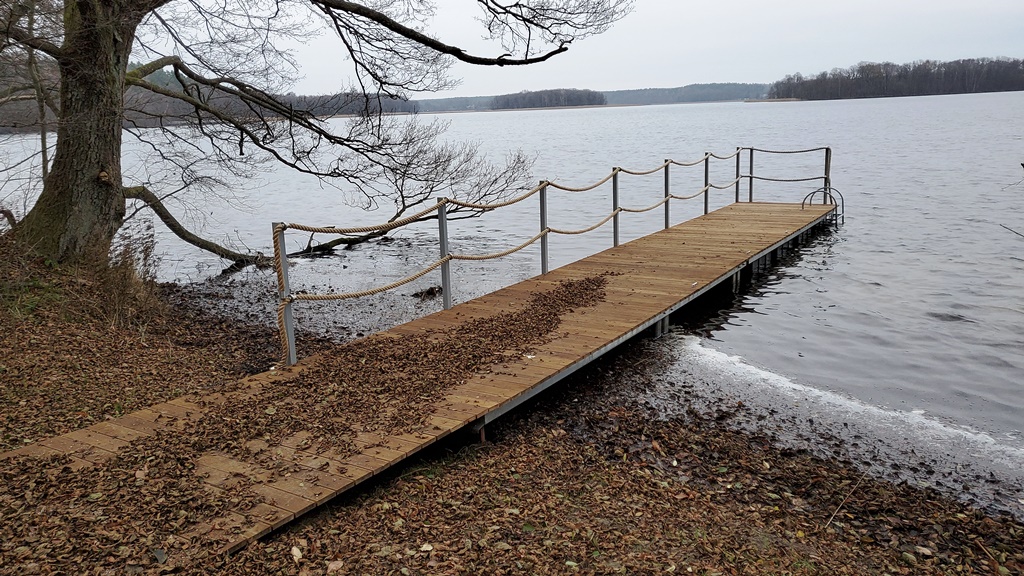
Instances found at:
x=668 y=193
x=286 y=321
x=543 y=227
x=661 y=326
x=446 y=268
x=828 y=173
x=750 y=180
x=615 y=206
x=707 y=180
x=738 y=151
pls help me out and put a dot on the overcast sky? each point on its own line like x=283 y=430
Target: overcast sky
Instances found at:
x=667 y=43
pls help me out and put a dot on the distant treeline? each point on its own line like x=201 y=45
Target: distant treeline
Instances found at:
x=720 y=92
x=548 y=99
x=145 y=109
x=922 y=78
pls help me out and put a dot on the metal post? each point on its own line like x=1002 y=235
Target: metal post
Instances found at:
x=750 y=197
x=667 y=195
x=707 y=180
x=828 y=175
x=286 y=324
x=615 y=206
x=738 y=151
x=446 y=268
x=543 y=227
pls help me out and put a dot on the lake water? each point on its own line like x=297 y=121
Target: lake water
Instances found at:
x=896 y=341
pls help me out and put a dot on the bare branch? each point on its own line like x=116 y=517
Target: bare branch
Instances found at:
x=12 y=32
x=331 y=7
x=9 y=216
x=153 y=201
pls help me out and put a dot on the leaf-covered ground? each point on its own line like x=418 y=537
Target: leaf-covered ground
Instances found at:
x=587 y=482
x=78 y=347
x=584 y=481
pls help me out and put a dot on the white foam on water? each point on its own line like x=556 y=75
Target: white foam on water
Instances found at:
x=901 y=444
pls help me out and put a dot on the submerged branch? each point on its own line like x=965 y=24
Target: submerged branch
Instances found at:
x=1012 y=230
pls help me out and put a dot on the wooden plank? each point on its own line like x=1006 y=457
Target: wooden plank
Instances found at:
x=117 y=429
x=32 y=451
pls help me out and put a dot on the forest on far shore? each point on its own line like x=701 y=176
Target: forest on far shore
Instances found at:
x=921 y=78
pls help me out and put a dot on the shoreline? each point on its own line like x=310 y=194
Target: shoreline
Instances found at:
x=587 y=479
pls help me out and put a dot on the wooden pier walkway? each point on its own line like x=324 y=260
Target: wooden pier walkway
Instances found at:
x=649 y=279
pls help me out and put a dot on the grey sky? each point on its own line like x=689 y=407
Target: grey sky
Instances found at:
x=666 y=43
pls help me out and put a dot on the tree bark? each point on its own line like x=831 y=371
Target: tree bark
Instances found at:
x=82 y=205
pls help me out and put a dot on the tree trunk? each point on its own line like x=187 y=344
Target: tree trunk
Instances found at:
x=82 y=204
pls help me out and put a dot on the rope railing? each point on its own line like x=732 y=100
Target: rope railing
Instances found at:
x=766 y=179
x=475 y=206
x=728 y=184
x=704 y=159
x=648 y=208
x=440 y=210
x=700 y=192
x=503 y=253
x=378 y=289
x=602 y=222
x=646 y=172
x=385 y=227
x=803 y=151
x=584 y=188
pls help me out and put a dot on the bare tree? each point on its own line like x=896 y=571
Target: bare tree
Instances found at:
x=224 y=115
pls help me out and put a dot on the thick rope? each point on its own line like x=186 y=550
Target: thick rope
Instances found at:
x=279 y=269
x=691 y=196
x=281 y=331
x=372 y=291
x=728 y=185
x=585 y=230
x=647 y=209
x=591 y=187
x=366 y=229
x=500 y=254
x=786 y=179
x=278 y=250
x=733 y=155
x=645 y=172
x=788 y=151
x=694 y=163
x=497 y=204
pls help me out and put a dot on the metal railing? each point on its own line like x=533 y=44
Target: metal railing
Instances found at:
x=440 y=211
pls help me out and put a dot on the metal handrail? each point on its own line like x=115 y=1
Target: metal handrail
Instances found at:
x=828 y=195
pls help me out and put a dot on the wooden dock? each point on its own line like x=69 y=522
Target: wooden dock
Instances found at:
x=650 y=278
